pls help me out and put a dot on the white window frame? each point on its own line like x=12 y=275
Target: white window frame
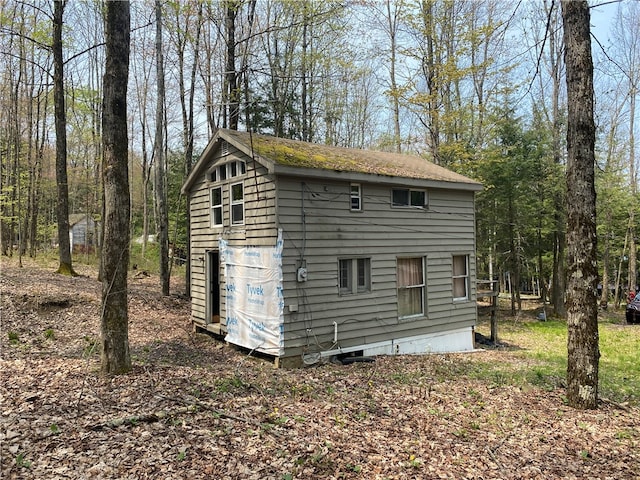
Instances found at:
x=460 y=279
x=349 y=275
x=409 y=203
x=235 y=202
x=240 y=169
x=355 y=194
x=420 y=285
x=216 y=207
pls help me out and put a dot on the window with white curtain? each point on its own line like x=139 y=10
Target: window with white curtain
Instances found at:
x=461 y=277
x=411 y=283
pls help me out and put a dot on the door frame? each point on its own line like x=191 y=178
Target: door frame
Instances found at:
x=213 y=297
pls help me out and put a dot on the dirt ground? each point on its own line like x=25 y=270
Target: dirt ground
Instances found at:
x=196 y=408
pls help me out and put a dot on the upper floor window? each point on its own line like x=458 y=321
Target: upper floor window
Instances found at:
x=216 y=206
x=237 y=204
x=228 y=170
x=404 y=197
x=356 y=197
x=461 y=277
x=354 y=275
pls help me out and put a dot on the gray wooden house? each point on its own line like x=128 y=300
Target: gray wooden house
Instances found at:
x=304 y=251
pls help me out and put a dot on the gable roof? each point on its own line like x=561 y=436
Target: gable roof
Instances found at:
x=76 y=218
x=293 y=157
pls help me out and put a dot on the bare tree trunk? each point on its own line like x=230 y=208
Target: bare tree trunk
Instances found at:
x=558 y=282
x=231 y=78
x=162 y=217
x=116 y=358
x=582 y=306
x=393 y=21
x=64 y=245
x=186 y=102
x=633 y=268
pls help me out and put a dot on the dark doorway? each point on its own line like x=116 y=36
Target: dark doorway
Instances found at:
x=213 y=286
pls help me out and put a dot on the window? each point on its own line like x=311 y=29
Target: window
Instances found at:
x=237 y=168
x=354 y=276
x=356 y=197
x=410 y=278
x=237 y=204
x=216 y=206
x=461 y=277
x=408 y=198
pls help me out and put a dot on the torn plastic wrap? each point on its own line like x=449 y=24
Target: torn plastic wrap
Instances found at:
x=254 y=300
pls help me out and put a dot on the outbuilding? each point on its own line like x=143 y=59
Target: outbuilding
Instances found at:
x=304 y=251
x=82 y=233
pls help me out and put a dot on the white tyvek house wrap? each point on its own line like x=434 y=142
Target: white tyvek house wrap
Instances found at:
x=255 y=303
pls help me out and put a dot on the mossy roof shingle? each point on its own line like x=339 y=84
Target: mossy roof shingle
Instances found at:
x=303 y=155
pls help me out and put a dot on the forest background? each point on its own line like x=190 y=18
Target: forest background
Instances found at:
x=476 y=86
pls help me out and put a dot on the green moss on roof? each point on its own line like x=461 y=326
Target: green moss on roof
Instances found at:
x=293 y=153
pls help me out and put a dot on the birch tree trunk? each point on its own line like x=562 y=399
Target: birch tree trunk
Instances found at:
x=116 y=358
x=582 y=307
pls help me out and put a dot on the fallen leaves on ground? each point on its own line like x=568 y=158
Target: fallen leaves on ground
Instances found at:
x=196 y=408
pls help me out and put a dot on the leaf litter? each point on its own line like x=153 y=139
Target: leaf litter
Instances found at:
x=194 y=407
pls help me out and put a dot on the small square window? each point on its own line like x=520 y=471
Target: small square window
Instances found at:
x=404 y=197
x=400 y=198
x=354 y=276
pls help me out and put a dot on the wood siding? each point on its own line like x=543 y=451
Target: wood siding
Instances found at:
x=259 y=224
x=319 y=229
x=329 y=230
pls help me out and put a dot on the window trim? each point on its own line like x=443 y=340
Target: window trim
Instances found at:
x=233 y=203
x=350 y=267
x=422 y=286
x=214 y=207
x=464 y=276
x=409 y=192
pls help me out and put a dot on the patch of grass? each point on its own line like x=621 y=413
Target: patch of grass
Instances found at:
x=49 y=334
x=22 y=462
x=91 y=346
x=228 y=384
x=543 y=348
x=14 y=338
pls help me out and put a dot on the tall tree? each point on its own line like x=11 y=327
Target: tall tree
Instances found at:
x=555 y=55
x=231 y=93
x=116 y=358
x=162 y=216
x=626 y=35
x=64 y=244
x=186 y=33
x=582 y=306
